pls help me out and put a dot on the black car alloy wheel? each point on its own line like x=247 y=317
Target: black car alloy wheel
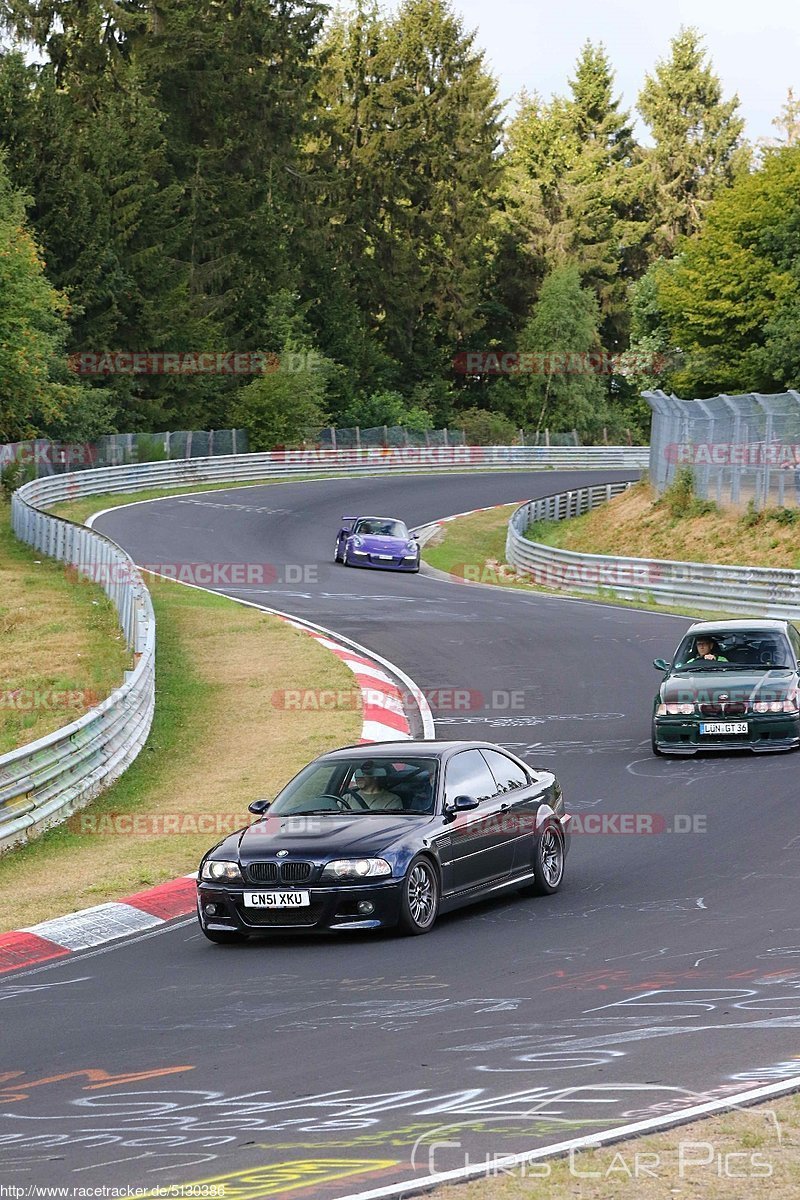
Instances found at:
x=420 y=903
x=548 y=861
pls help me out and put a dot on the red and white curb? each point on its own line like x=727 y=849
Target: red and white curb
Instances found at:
x=384 y=714
x=384 y=720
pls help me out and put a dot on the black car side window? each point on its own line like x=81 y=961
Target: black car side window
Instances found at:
x=468 y=775
x=508 y=774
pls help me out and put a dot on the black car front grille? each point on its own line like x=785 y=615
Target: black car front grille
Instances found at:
x=295 y=872
x=282 y=916
x=285 y=872
x=263 y=872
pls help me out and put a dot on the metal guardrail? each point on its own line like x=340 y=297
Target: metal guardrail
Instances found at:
x=42 y=783
x=708 y=587
x=278 y=463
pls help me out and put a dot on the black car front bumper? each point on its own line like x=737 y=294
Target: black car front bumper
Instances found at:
x=330 y=908
x=767 y=732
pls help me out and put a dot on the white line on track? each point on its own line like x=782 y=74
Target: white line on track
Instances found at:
x=607 y=1137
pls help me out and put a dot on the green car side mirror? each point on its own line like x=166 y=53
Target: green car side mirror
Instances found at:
x=660 y=665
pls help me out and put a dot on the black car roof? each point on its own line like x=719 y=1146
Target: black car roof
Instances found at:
x=419 y=749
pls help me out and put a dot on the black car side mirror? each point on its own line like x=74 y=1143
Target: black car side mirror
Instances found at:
x=259 y=806
x=460 y=804
x=660 y=664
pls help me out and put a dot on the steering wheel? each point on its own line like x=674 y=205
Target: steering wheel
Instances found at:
x=341 y=802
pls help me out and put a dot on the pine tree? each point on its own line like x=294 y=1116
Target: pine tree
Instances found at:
x=698 y=137
x=578 y=188
x=415 y=125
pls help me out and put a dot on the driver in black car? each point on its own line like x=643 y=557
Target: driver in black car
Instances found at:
x=369 y=788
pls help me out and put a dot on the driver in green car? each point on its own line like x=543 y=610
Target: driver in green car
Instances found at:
x=707 y=648
x=368 y=788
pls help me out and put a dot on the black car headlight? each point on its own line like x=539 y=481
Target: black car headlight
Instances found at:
x=356 y=868
x=220 y=870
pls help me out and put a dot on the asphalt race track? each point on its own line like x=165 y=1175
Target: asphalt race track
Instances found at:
x=666 y=969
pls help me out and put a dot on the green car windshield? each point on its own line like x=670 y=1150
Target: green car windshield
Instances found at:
x=744 y=649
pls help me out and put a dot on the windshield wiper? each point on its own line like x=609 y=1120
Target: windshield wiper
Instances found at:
x=308 y=812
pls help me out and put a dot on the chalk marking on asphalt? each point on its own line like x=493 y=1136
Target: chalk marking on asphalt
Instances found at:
x=275 y=1179
x=415 y=1187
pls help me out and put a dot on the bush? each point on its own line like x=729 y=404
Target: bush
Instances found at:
x=482 y=428
x=150 y=449
x=680 y=497
x=13 y=476
x=284 y=407
x=784 y=516
x=752 y=516
x=385 y=408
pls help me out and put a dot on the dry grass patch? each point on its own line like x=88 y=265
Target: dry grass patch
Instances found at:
x=61 y=647
x=754 y=1152
x=636 y=525
x=220 y=739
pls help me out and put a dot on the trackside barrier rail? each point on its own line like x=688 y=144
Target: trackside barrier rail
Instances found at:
x=42 y=783
x=278 y=463
x=709 y=587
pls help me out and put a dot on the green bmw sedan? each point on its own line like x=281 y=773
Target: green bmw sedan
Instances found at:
x=732 y=685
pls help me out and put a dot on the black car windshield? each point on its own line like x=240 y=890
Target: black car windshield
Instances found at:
x=361 y=785
x=727 y=650
x=375 y=527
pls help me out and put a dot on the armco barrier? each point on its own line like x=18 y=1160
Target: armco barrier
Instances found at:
x=243 y=468
x=42 y=783
x=708 y=587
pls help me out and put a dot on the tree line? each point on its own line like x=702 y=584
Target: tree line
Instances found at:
x=342 y=190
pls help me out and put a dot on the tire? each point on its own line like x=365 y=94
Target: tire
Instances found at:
x=654 y=744
x=337 y=558
x=419 y=906
x=548 y=861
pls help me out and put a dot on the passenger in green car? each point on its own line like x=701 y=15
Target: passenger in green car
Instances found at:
x=707 y=648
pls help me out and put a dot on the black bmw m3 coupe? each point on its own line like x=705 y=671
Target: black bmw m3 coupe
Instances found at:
x=386 y=835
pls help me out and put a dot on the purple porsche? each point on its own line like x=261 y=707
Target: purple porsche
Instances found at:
x=377 y=542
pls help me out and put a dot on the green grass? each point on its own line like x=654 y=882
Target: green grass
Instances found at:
x=61 y=648
x=217 y=742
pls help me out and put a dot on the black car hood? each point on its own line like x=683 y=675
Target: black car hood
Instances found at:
x=738 y=685
x=328 y=834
